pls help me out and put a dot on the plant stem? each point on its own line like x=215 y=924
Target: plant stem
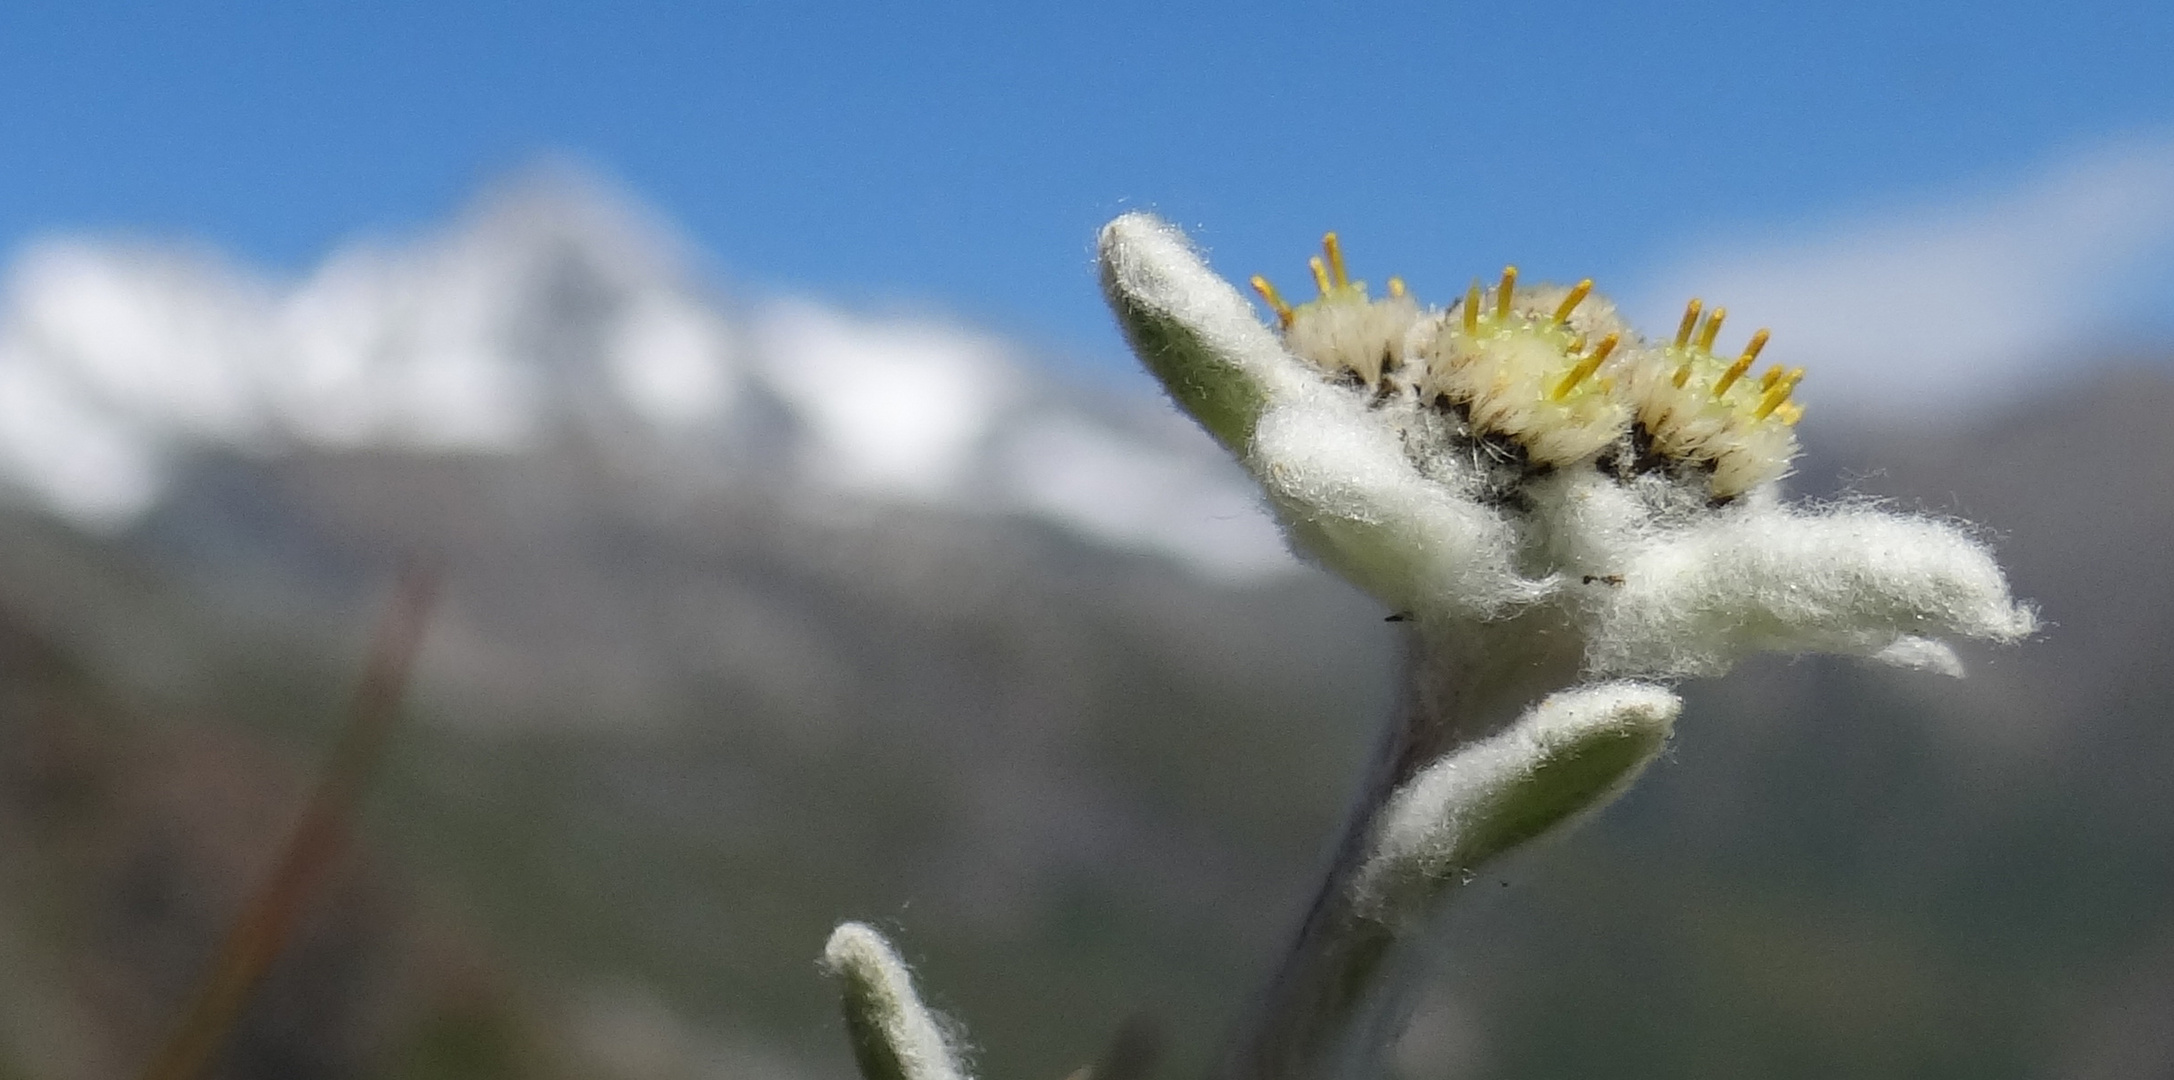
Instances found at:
x=1337 y=999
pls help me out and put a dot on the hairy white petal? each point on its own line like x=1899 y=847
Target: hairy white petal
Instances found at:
x=1151 y=266
x=1589 y=523
x=1922 y=654
x=895 y=1036
x=1567 y=756
x=1850 y=580
x=1349 y=495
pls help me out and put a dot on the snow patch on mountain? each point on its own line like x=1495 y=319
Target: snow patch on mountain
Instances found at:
x=1124 y=491
x=893 y=408
x=556 y=306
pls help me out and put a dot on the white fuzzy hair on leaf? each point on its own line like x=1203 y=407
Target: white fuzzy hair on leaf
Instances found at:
x=1847 y=579
x=1149 y=260
x=1346 y=491
x=1567 y=756
x=895 y=1036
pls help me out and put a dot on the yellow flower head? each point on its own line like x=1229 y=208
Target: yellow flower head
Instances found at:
x=1554 y=371
x=1699 y=409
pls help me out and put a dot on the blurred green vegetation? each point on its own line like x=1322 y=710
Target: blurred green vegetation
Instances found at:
x=1076 y=784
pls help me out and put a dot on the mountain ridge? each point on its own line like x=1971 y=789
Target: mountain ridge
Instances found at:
x=556 y=308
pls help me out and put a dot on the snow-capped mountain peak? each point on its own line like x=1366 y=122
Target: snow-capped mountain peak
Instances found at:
x=558 y=305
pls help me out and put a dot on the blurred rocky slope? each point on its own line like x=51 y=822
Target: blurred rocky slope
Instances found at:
x=759 y=616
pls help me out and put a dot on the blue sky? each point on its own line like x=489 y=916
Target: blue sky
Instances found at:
x=960 y=158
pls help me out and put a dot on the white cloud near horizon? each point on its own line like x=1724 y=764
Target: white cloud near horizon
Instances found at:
x=1946 y=304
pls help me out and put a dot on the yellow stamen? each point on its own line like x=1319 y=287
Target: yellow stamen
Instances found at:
x=1789 y=413
x=1777 y=394
x=1712 y=328
x=1690 y=319
x=1335 y=252
x=1275 y=302
x=1683 y=375
x=1753 y=347
x=1320 y=274
x=1769 y=376
x=1772 y=401
x=1472 y=308
x=1505 y=292
x=1396 y=288
x=1577 y=296
x=1585 y=367
x=1742 y=364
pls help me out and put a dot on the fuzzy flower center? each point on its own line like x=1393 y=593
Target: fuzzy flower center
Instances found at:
x=1555 y=372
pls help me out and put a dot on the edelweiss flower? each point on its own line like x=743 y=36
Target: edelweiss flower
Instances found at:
x=1568 y=513
x=1525 y=457
x=1565 y=513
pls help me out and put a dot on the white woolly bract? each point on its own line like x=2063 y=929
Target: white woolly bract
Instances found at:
x=1586 y=524
x=1344 y=331
x=880 y=998
x=1152 y=264
x=1435 y=826
x=1349 y=495
x=1850 y=579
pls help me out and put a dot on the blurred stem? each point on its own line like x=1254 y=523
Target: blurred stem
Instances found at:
x=319 y=838
x=1336 y=999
